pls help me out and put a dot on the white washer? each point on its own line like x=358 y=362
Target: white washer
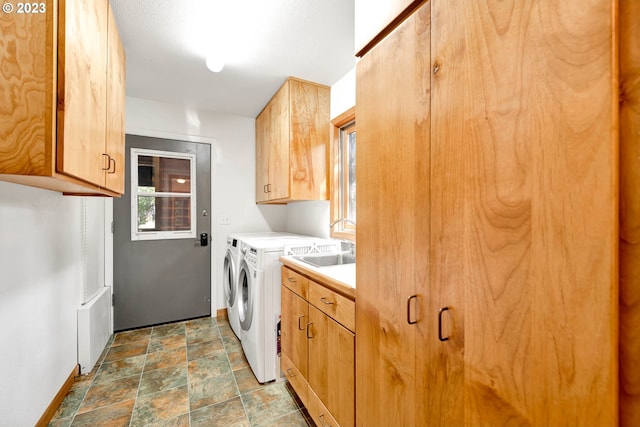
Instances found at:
x=259 y=303
x=231 y=265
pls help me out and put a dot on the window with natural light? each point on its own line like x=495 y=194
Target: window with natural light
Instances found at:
x=343 y=181
x=163 y=197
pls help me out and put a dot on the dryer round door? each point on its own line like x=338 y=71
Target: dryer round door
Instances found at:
x=229 y=280
x=245 y=306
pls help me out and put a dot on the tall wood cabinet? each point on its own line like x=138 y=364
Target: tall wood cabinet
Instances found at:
x=62 y=125
x=292 y=134
x=487 y=217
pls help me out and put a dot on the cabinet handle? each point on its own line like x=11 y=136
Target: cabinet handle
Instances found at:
x=108 y=162
x=291 y=279
x=300 y=327
x=111 y=159
x=409 y=321
x=268 y=188
x=264 y=188
x=440 y=337
x=321 y=418
x=309 y=334
x=326 y=301
x=291 y=375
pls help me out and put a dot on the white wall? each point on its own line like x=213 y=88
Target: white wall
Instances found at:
x=233 y=168
x=40 y=289
x=312 y=218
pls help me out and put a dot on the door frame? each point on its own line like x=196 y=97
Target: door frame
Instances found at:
x=108 y=241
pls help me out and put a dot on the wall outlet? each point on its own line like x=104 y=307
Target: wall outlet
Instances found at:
x=224 y=219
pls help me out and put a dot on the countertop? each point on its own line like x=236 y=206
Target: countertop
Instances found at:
x=339 y=278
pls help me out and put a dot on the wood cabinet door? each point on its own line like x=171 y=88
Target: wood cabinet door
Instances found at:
x=393 y=176
x=279 y=135
x=262 y=153
x=114 y=145
x=331 y=365
x=82 y=81
x=373 y=16
x=524 y=205
x=295 y=318
x=308 y=167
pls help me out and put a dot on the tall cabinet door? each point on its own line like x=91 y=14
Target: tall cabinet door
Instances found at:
x=82 y=47
x=392 y=107
x=523 y=205
x=115 y=108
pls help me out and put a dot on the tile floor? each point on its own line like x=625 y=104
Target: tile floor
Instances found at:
x=191 y=373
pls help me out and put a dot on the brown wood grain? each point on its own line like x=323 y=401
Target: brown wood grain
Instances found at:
x=374 y=19
x=523 y=145
x=295 y=317
x=82 y=61
x=392 y=172
x=629 y=13
x=292 y=139
x=115 y=108
x=331 y=366
x=309 y=178
x=27 y=91
x=336 y=306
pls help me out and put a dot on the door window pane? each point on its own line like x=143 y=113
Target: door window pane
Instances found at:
x=163 y=195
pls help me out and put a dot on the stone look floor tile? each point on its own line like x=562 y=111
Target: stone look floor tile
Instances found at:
x=161 y=407
x=204 y=349
x=246 y=380
x=168 y=329
x=294 y=419
x=268 y=403
x=128 y=337
x=165 y=358
x=110 y=393
x=122 y=368
x=159 y=343
x=162 y=379
x=72 y=401
x=212 y=390
x=202 y=335
x=124 y=351
x=211 y=366
x=219 y=384
x=117 y=415
x=224 y=414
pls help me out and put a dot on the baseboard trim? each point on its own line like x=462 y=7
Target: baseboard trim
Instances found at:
x=222 y=312
x=57 y=400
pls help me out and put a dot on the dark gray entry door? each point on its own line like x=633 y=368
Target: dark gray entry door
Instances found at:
x=162 y=272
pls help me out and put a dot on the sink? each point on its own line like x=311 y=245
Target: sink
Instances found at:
x=327 y=260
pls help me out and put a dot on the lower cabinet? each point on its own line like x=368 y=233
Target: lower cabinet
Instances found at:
x=318 y=348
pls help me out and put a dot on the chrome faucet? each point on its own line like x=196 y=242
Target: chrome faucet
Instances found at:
x=343 y=220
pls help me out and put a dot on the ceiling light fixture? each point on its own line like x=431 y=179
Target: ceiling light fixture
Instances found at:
x=214 y=64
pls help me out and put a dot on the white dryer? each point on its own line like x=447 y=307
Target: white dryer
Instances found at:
x=259 y=300
x=231 y=267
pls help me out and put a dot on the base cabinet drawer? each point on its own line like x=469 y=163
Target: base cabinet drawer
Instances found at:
x=295 y=378
x=320 y=414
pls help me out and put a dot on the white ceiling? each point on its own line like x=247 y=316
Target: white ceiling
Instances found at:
x=262 y=42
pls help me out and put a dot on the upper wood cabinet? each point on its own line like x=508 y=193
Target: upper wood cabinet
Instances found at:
x=292 y=136
x=487 y=275
x=62 y=125
x=374 y=19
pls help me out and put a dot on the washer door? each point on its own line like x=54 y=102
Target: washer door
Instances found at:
x=245 y=306
x=229 y=280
